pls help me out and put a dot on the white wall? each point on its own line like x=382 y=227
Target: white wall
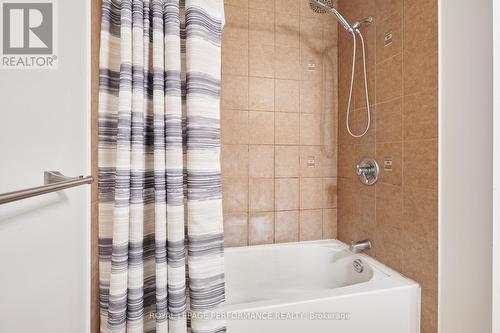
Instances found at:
x=44 y=241
x=465 y=176
x=496 y=167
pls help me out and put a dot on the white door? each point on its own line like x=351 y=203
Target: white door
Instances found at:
x=44 y=241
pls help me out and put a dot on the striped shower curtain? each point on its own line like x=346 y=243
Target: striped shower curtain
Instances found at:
x=160 y=212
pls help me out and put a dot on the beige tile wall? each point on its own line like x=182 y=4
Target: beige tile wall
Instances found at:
x=400 y=212
x=279 y=111
x=272 y=125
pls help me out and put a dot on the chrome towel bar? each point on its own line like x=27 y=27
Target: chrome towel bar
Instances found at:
x=53 y=181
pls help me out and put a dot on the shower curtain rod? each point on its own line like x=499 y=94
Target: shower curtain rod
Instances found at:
x=53 y=181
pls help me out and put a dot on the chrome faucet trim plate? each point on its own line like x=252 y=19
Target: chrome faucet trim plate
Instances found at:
x=368 y=171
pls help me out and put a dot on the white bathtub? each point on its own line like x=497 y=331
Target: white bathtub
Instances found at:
x=313 y=287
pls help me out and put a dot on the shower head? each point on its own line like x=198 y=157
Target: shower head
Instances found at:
x=320 y=6
x=324 y=6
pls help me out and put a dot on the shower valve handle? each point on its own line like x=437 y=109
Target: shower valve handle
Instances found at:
x=368 y=171
x=364 y=170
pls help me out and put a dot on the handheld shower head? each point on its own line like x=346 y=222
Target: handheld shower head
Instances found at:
x=324 y=6
x=320 y=6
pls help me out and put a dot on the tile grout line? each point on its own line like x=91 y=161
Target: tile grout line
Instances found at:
x=322 y=125
x=274 y=125
x=403 y=133
x=299 y=145
x=248 y=128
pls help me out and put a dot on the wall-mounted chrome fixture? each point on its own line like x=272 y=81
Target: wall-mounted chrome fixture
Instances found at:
x=366 y=20
x=368 y=171
x=53 y=181
x=360 y=246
